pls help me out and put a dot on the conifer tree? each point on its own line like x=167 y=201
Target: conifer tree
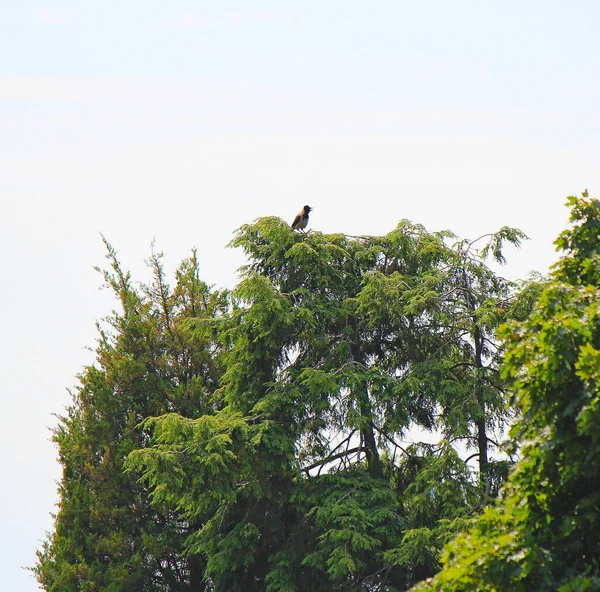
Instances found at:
x=335 y=348
x=544 y=532
x=155 y=355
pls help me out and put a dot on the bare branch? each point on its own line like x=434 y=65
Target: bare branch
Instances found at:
x=329 y=459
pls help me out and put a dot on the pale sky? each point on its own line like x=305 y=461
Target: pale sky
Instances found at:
x=181 y=121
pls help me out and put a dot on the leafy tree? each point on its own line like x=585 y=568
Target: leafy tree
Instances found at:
x=335 y=347
x=156 y=355
x=544 y=532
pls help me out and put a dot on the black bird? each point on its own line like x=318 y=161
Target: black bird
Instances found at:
x=301 y=220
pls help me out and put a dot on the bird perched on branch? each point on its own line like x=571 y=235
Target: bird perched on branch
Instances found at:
x=301 y=220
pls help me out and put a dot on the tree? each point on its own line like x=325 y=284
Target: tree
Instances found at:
x=336 y=347
x=156 y=355
x=468 y=301
x=544 y=532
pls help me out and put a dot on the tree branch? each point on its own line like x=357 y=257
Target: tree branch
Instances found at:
x=329 y=459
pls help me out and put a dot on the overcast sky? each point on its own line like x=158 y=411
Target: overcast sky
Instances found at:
x=182 y=120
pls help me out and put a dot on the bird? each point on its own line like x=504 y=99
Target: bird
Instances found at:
x=301 y=220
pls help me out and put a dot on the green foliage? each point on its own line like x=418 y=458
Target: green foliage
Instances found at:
x=544 y=533
x=156 y=355
x=263 y=429
x=334 y=348
x=350 y=517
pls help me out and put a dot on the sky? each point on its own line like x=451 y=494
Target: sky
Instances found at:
x=178 y=122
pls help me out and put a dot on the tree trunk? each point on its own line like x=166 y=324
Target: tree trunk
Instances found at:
x=367 y=432
x=196 y=567
x=371 y=452
x=482 y=439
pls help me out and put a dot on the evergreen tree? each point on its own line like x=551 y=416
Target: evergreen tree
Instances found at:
x=156 y=355
x=544 y=532
x=336 y=347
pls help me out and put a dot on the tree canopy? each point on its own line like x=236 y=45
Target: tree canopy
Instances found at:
x=107 y=535
x=314 y=429
x=544 y=532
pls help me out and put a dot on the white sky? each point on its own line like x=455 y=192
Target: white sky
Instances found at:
x=183 y=120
